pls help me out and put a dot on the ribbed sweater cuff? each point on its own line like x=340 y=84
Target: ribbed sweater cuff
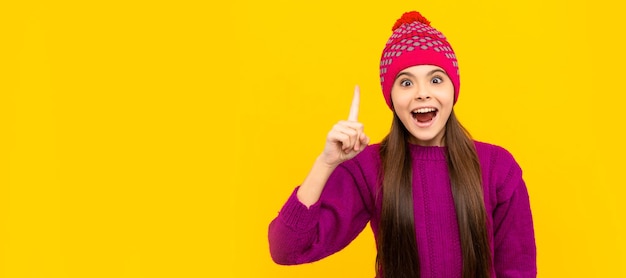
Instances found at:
x=297 y=216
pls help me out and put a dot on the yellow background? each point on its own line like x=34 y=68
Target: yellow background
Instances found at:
x=160 y=138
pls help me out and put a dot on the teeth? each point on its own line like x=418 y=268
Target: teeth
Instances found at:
x=424 y=110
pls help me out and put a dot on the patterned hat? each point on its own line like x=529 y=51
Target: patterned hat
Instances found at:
x=414 y=42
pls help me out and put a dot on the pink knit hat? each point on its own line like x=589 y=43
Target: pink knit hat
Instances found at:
x=413 y=43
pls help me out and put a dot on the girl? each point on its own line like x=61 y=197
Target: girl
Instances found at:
x=439 y=203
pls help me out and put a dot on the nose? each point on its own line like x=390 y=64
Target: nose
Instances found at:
x=422 y=93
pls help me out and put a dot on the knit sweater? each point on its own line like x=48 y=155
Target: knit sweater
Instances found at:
x=349 y=201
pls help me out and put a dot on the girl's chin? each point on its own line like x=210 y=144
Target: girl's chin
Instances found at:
x=426 y=142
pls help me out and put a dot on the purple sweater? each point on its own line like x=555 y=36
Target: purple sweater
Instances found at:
x=348 y=202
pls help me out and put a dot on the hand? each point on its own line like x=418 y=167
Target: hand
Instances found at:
x=346 y=139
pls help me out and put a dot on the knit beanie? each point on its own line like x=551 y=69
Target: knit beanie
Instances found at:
x=414 y=42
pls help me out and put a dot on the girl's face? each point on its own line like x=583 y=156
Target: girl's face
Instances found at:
x=423 y=97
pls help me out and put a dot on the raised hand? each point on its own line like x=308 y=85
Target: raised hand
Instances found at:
x=346 y=139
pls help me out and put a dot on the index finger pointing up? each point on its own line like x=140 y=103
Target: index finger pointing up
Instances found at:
x=354 y=108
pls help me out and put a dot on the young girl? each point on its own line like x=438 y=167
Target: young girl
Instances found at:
x=439 y=203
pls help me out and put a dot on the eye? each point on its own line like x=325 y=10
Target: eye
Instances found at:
x=436 y=80
x=406 y=83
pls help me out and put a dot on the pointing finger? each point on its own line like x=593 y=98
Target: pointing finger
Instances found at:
x=354 y=109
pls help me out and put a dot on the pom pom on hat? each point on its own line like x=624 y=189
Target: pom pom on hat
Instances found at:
x=408 y=18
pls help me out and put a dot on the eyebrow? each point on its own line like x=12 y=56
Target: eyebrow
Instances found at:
x=413 y=76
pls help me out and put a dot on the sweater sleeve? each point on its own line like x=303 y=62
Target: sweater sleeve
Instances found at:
x=301 y=235
x=514 y=239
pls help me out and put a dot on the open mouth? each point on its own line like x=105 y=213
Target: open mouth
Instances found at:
x=424 y=116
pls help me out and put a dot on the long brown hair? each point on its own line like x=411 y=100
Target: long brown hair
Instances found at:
x=397 y=246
